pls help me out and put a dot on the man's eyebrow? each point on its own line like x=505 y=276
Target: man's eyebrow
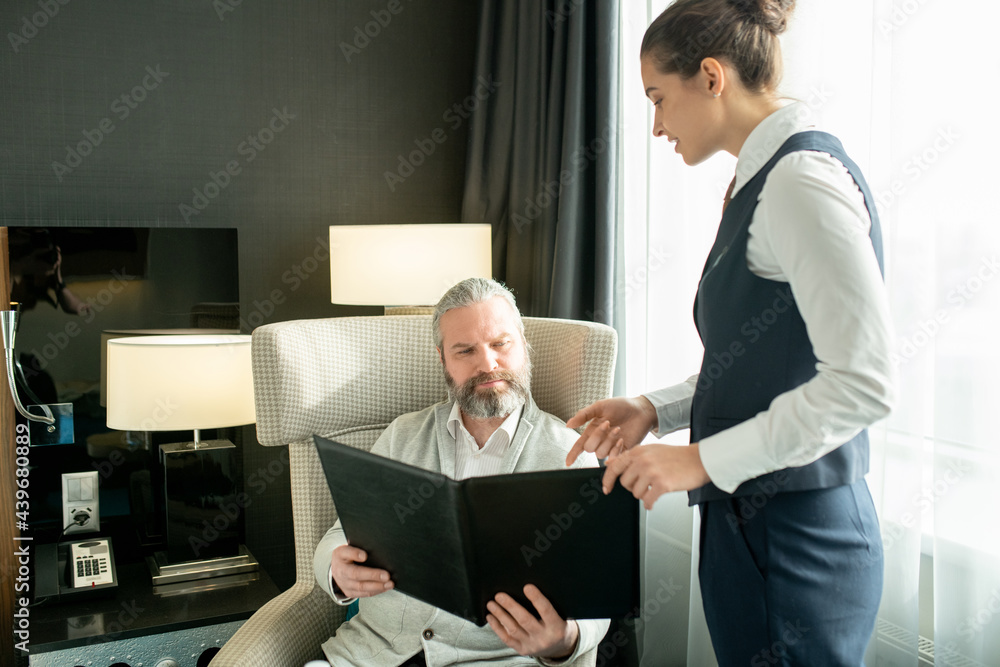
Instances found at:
x=456 y=346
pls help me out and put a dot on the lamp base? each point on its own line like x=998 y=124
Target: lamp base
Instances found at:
x=164 y=572
x=204 y=512
x=196 y=446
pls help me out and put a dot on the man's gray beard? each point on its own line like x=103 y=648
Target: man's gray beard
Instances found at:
x=492 y=402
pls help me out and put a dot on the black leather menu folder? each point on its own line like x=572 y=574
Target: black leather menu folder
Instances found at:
x=456 y=544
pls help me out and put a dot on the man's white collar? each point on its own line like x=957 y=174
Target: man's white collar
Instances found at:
x=509 y=425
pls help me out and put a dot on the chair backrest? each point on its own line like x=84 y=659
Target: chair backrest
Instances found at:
x=348 y=378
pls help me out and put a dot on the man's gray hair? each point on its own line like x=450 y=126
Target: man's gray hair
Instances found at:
x=470 y=292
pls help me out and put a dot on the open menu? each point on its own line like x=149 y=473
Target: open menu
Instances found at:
x=456 y=544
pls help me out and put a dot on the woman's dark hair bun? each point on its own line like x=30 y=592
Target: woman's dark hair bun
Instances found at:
x=772 y=14
x=743 y=32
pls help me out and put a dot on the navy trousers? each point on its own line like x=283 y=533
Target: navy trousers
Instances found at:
x=793 y=578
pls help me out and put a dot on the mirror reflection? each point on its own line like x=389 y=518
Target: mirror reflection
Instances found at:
x=79 y=287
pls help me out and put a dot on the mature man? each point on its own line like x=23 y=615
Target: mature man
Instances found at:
x=489 y=426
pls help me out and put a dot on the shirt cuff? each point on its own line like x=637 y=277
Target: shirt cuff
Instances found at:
x=673 y=406
x=589 y=635
x=337 y=596
x=553 y=662
x=736 y=455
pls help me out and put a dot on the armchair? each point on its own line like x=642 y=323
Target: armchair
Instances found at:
x=347 y=378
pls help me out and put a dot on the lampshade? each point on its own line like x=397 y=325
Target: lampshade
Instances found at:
x=110 y=334
x=405 y=265
x=174 y=383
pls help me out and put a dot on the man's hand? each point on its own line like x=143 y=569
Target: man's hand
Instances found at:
x=550 y=637
x=616 y=424
x=357 y=581
x=652 y=470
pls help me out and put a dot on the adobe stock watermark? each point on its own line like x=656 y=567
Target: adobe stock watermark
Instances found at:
x=654 y=604
x=901 y=13
x=694 y=46
x=295 y=276
x=958 y=297
x=752 y=330
x=766 y=487
x=563 y=10
x=561 y=522
x=230 y=512
x=417 y=498
x=29 y=27
x=255 y=144
x=223 y=7
x=59 y=340
x=777 y=652
x=656 y=260
x=122 y=107
x=915 y=167
x=750 y=504
x=127 y=616
x=548 y=193
x=893 y=531
x=948 y=655
x=363 y=35
x=162 y=411
x=974 y=624
x=807 y=110
x=454 y=116
x=969 y=629
x=666 y=592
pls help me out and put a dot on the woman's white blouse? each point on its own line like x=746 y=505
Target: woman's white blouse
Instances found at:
x=810 y=229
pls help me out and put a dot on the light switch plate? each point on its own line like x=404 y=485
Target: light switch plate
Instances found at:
x=80 y=493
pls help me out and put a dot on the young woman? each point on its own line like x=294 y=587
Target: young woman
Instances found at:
x=792 y=311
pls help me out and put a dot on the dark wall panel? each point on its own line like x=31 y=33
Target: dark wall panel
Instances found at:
x=250 y=115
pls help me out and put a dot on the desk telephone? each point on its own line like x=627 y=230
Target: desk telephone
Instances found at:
x=91 y=563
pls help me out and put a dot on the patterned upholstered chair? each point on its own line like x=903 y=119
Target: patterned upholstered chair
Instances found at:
x=348 y=378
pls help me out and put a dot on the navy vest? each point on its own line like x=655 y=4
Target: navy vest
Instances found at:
x=755 y=340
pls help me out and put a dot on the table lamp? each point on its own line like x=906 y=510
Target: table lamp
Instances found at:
x=180 y=383
x=406 y=268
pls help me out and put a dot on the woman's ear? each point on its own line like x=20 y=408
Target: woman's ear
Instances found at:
x=713 y=75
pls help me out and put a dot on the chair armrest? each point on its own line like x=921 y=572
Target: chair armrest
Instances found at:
x=287 y=631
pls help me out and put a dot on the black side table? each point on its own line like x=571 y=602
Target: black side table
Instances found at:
x=176 y=625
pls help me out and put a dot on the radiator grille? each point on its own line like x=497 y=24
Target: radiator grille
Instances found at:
x=903 y=640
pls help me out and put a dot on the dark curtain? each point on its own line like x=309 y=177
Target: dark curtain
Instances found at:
x=543 y=152
x=543 y=171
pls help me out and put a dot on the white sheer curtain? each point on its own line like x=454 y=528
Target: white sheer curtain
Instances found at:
x=909 y=87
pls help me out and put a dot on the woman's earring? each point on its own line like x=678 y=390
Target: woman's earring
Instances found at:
x=715 y=95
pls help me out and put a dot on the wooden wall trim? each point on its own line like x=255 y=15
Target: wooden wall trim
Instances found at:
x=8 y=564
